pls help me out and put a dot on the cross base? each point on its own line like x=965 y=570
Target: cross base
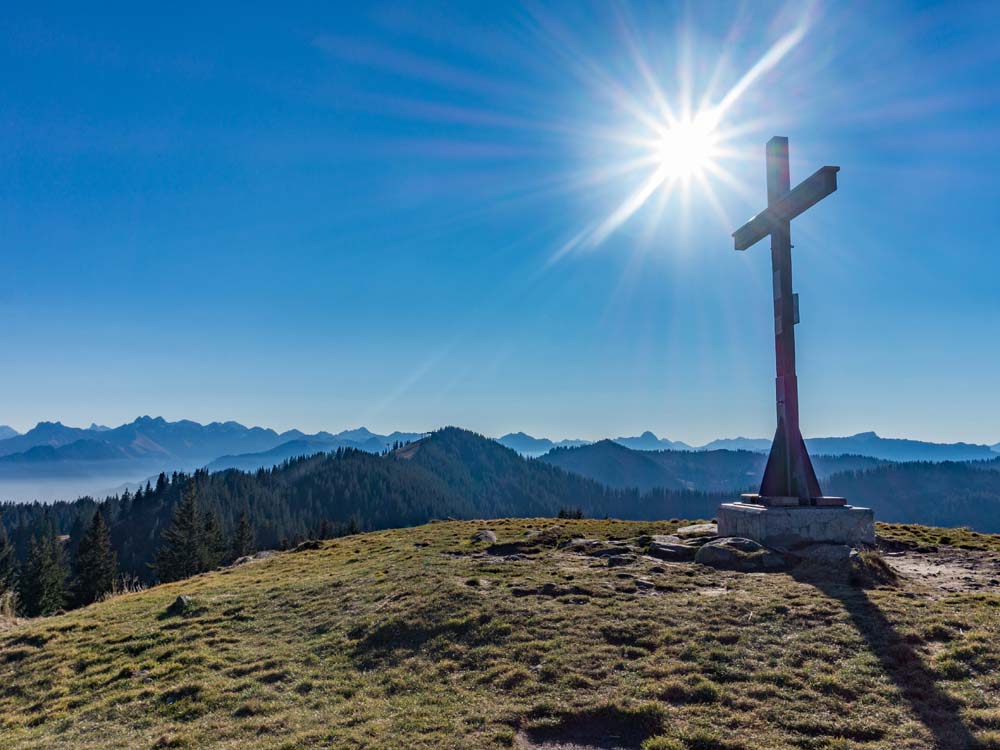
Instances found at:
x=791 y=527
x=823 y=501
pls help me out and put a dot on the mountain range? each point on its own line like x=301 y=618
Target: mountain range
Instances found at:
x=616 y=465
x=863 y=444
x=311 y=445
x=183 y=442
x=53 y=460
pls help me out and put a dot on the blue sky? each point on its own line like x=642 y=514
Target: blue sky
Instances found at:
x=384 y=215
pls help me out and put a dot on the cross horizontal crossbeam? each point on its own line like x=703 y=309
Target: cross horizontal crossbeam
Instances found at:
x=807 y=193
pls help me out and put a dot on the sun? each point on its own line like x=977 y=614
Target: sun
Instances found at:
x=662 y=142
x=686 y=148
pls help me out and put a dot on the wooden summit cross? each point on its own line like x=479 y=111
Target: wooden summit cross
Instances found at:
x=789 y=478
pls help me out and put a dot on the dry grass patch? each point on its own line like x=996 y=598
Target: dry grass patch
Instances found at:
x=423 y=638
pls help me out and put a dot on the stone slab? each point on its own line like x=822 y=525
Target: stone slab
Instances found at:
x=770 y=501
x=791 y=527
x=696 y=530
x=830 y=501
x=773 y=500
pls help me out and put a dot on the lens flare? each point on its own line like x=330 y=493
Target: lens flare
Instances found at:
x=687 y=149
x=674 y=142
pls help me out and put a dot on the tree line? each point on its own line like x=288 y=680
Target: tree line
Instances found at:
x=70 y=554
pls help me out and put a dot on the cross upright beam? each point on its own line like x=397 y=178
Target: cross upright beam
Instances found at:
x=789 y=477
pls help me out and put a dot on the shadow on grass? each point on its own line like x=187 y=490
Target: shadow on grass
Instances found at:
x=397 y=638
x=607 y=727
x=938 y=711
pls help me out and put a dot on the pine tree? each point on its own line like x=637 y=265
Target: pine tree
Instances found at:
x=181 y=551
x=243 y=539
x=213 y=545
x=8 y=562
x=43 y=584
x=30 y=583
x=56 y=576
x=96 y=562
x=324 y=531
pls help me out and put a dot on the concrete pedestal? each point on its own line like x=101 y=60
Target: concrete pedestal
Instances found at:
x=789 y=527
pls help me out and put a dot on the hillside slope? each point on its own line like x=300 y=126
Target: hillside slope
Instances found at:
x=423 y=638
x=616 y=465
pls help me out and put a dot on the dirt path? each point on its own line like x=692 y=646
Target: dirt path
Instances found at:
x=949 y=569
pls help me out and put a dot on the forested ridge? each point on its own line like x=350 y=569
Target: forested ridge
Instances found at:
x=59 y=555
x=947 y=493
x=451 y=474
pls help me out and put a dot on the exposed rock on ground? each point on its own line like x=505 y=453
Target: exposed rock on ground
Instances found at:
x=670 y=547
x=737 y=553
x=179 y=606
x=697 y=530
x=256 y=557
x=617 y=561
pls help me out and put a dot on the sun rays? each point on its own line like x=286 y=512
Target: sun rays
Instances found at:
x=673 y=146
x=625 y=141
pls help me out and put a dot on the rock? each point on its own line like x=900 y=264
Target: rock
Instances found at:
x=828 y=554
x=669 y=547
x=544 y=536
x=697 y=529
x=582 y=545
x=737 y=553
x=663 y=539
x=484 y=536
x=741 y=543
x=644 y=584
x=179 y=606
x=698 y=541
x=605 y=549
x=616 y=561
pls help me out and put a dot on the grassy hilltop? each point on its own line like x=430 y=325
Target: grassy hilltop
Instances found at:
x=424 y=638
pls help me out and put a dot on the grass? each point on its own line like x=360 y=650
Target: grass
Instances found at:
x=932 y=536
x=414 y=638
